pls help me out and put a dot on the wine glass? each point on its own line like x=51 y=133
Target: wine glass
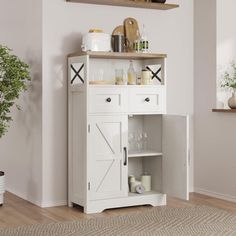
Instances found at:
x=131 y=141
x=145 y=136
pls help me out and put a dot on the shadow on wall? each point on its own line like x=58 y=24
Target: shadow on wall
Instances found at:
x=57 y=78
x=29 y=120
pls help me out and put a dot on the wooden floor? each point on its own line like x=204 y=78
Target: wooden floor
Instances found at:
x=17 y=212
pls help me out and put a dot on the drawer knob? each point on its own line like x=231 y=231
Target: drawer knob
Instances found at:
x=147 y=99
x=108 y=99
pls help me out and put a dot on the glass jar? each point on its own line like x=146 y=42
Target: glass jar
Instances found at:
x=119 y=77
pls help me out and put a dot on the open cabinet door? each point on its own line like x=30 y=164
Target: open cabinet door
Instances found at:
x=175 y=146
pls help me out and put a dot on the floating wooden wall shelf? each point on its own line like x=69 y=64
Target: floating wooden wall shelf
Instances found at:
x=129 y=3
x=225 y=110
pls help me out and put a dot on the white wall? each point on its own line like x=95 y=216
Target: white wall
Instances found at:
x=36 y=165
x=20 y=149
x=226 y=43
x=214 y=141
x=170 y=32
x=64 y=23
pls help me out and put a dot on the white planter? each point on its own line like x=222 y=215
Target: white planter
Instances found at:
x=232 y=100
x=2 y=187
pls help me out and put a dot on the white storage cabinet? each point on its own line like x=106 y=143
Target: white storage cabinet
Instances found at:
x=100 y=118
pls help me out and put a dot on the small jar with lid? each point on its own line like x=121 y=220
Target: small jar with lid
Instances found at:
x=146 y=77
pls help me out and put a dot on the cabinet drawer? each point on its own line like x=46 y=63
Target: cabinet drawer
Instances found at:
x=103 y=100
x=146 y=100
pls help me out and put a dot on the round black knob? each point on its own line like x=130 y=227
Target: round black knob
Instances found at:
x=108 y=99
x=147 y=99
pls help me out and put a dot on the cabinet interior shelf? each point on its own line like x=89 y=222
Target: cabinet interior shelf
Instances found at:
x=120 y=55
x=129 y=3
x=144 y=194
x=224 y=110
x=144 y=153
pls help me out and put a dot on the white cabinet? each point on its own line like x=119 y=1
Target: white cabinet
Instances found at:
x=102 y=117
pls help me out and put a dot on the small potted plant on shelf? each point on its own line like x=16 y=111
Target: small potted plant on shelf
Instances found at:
x=229 y=82
x=14 y=75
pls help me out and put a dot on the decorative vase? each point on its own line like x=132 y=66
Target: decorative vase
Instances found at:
x=2 y=187
x=232 y=100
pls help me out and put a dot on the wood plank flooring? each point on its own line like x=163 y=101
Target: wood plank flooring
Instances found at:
x=17 y=212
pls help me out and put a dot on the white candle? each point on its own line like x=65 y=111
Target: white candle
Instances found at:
x=146 y=182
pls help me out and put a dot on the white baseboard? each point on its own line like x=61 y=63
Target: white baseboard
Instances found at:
x=39 y=203
x=54 y=203
x=20 y=195
x=226 y=197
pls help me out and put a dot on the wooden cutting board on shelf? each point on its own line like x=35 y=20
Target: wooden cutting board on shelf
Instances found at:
x=131 y=31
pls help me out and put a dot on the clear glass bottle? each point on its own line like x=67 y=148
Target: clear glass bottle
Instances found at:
x=144 y=40
x=131 y=74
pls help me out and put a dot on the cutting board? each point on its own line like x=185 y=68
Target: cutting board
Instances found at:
x=131 y=31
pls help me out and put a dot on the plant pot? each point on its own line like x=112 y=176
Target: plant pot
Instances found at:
x=232 y=101
x=2 y=187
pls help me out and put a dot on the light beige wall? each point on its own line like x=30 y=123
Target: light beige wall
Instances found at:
x=64 y=23
x=39 y=134
x=226 y=44
x=21 y=148
x=214 y=139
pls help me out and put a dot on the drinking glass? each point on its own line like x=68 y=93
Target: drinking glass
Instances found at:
x=138 y=141
x=119 y=77
x=145 y=136
x=131 y=141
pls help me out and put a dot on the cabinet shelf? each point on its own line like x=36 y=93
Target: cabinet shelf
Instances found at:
x=120 y=55
x=144 y=194
x=129 y=3
x=144 y=153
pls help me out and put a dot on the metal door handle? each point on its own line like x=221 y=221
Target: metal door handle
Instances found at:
x=126 y=156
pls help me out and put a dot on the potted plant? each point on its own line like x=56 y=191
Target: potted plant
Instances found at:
x=229 y=82
x=14 y=75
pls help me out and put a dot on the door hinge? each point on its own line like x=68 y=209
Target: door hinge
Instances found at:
x=89 y=128
x=88 y=185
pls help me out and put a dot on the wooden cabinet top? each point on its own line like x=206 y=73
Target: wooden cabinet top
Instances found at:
x=122 y=55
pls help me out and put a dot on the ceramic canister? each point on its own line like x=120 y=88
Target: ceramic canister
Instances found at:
x=133 y=186
x=146 y=77
x=146 y=182
x=132 y=183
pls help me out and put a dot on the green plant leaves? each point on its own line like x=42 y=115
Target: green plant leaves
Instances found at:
x=229 y=78
x=14 y=75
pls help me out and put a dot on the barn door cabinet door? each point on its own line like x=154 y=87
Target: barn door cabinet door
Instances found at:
x=175 y=167
x=107 y=157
